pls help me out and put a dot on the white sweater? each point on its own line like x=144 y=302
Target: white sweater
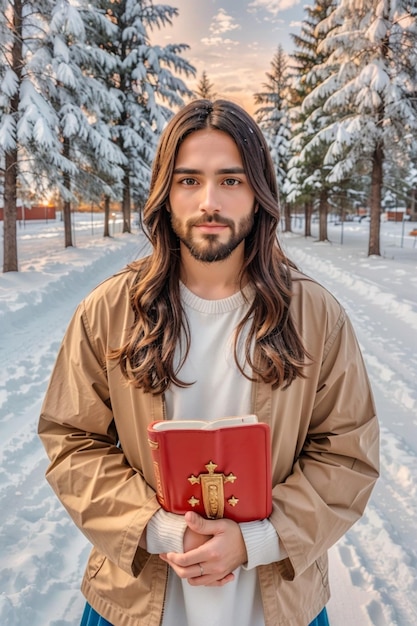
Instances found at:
x=219 y=390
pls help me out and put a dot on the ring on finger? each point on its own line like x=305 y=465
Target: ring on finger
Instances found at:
x=201 y=569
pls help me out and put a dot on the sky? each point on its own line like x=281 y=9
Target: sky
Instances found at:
x=234 y=41
x=373 y=569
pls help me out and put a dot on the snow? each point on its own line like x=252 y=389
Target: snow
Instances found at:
x=42 y=555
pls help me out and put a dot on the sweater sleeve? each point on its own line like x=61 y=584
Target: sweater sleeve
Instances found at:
x=262 y=543
x=165 y=533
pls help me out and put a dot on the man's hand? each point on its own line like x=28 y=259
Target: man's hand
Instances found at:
x=212 y=550
x=194 y=539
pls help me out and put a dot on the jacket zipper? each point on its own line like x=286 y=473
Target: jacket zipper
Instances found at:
x=165 y=593
x=164 y=412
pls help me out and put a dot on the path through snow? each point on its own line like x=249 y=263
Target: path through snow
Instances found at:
x=42 y=554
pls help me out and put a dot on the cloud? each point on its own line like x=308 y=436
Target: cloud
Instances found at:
x=218 y=41
x=222 y=23
x=272 y=6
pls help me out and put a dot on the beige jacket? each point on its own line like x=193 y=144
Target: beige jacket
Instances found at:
x=324 y=457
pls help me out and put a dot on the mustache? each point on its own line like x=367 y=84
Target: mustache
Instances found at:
x=212 y=219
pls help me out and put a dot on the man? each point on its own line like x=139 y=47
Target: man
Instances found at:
x=215 y=322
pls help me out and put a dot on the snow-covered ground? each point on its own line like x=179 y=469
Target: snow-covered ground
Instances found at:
x=42 y=554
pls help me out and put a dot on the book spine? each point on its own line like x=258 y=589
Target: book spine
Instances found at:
x=156 y=460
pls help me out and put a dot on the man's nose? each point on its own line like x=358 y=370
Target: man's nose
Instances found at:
x=209 y=199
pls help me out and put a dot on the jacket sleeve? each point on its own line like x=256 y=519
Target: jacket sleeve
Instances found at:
x=107 y=499
x=338 y=464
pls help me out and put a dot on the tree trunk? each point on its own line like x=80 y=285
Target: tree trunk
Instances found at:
x=308 y=211
x=10 y=213
x=375 y=201
x=11 y=163
x=323 y=209
x=106 y=232
x=287 y=217
x=126 y=204
x=67 y=203
x=67 y=224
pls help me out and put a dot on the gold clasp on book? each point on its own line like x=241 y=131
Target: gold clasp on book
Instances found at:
x=212 y=491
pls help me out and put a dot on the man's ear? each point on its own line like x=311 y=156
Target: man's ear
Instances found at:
x=167 y=205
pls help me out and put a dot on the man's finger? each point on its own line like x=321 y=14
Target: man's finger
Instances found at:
x=201 y=525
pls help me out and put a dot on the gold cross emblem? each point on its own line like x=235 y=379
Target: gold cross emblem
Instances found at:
x=212 y=491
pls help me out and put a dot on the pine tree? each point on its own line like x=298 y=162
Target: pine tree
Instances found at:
x=83 y=105
x=50 y=108
x=11 y=77
x=146 y=77
x=273 y=118
x=306 y=182
x=22 y=25
x=205 y=88
x=83 y=96
x=369 y=92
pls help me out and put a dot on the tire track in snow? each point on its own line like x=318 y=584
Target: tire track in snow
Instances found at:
x=391 y=358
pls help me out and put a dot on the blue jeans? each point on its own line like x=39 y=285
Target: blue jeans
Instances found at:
x=91 y=618
x=321 y=619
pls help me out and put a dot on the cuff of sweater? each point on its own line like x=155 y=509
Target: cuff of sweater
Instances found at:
x=165 y=533
x=262 y=543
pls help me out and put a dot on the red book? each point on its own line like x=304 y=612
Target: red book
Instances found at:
x=217 y=469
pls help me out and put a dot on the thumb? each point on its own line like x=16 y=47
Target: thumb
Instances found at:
x=198 y=524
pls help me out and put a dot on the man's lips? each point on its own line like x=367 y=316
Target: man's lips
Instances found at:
x=211 y=227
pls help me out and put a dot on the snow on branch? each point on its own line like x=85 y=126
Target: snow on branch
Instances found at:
x=10 y=84
x=7 y=132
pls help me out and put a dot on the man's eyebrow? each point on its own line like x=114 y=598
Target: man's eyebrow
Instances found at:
x=224 y=170
x=231 y=170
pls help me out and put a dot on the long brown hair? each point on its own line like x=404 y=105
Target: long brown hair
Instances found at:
x=147 y=359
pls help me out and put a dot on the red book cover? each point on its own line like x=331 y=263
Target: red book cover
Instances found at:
x=217 y=469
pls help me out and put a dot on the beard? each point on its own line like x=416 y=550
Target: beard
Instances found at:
x=208 y=248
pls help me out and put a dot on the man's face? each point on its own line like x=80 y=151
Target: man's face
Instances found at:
x=211 y=202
